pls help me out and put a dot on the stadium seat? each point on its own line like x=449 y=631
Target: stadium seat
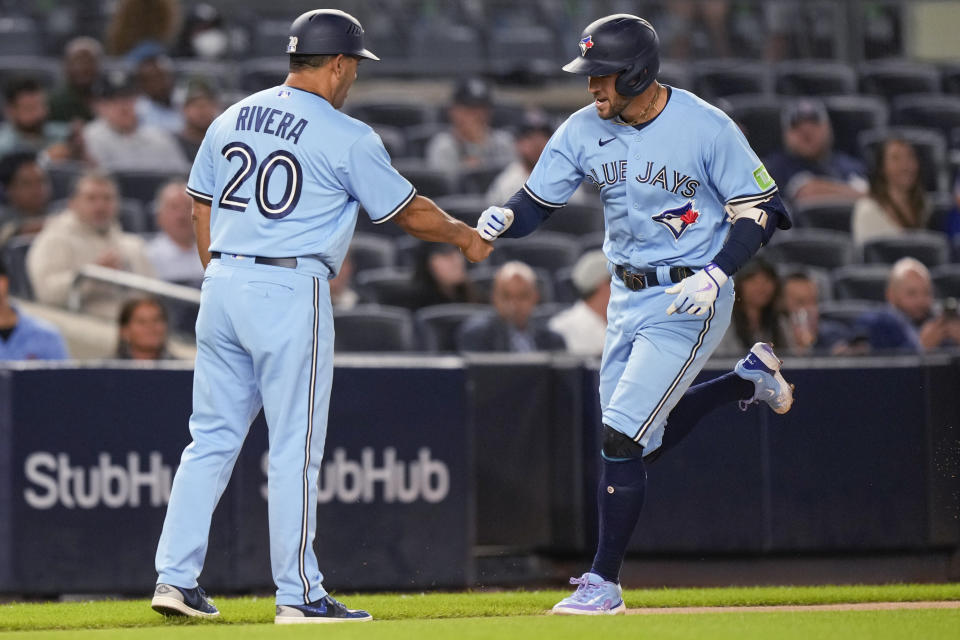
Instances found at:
x=483 y=275
x=372 y=252
x=406 y=250
x=591 y=241
x=521 y=48
x=394 y=140
x=759 y=117
x=851 y=115
x=419 y=136
x=813 y=247
x=446 y=49
x=15 y=258
x=62 y=176
x=929 y=247
x=543 y=312
x=373 y=328
x=719 y=78
x=825 y=215
x=946 y=280
x=258 y=74
x=891 y=78
x=141 y=185
x=19 y=35
x=861 y=282
x=466 y=207
x=389 y=286
x=438 y=324
x=950 y=78
x=576 y=220
x=507 y=115
x=819 y=275
x=431 y=183
x=545 y=250
x=848 y=312
x=479 y=180
x=931 y=112
x=44 y=70
x=394 y=114
x=675 y=74
x=930 y=146
x=270 y=37
x=814 y=78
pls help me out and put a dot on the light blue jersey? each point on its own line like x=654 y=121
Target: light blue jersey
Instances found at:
x=664 y=186
x=284 y=173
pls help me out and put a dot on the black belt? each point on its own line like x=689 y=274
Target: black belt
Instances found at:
x=637 y=280
x=289 y=263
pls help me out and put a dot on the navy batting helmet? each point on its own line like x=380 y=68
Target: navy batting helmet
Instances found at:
x=327 y=32
x=623 y=44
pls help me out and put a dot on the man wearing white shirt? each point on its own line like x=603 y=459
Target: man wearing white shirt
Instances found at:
x=173 y=252
x=584 y=325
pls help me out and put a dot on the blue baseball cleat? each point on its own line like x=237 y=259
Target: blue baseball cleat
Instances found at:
x=762 y=367
x=326 y=609
x=594 y=597
x=177 y=601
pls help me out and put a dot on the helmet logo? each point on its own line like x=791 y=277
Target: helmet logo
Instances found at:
x=585 y=45
x=292 y=45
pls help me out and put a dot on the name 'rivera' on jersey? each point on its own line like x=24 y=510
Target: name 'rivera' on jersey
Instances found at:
x=614 y=172
x=261 y=119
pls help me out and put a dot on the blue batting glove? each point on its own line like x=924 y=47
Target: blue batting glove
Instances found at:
x=493 y=222
x=697 y=293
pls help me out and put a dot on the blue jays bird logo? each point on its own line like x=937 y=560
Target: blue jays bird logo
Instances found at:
x=585 y=45
x=678 y=219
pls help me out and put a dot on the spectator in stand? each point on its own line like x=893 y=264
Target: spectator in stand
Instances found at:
x=910 y=323
x=532 y=137
x=805 y=333
x=86 y=233
x=117 y=141
x=73 y=100
x=26 y=194
x=896 y=201
x=23 y=337
x=808 y=169
x=514 y=297
x=143 y=330
x=204 y=34
x=440 y=276
x=471 y=142
x=757 y=287
x=201 y=106
x=27 y=126
x=137 y=21
x=342 y=295
x=584 y=325
x=154 y=77
x=173 y=252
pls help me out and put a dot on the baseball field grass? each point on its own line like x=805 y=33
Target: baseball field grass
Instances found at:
x=705 y=613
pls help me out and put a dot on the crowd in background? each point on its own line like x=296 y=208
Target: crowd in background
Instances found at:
x=92 y=172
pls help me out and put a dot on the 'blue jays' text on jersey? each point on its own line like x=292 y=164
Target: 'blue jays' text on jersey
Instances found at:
x=663 y=186
x=285 y=172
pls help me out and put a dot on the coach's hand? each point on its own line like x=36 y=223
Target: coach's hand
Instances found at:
x=477 y=249
x=493 y=222
x=697 y=293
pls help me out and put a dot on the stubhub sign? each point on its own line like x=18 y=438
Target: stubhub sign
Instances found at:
x=85 y=480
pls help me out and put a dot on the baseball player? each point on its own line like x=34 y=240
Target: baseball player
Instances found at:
x=276 y=186
x=686 y=203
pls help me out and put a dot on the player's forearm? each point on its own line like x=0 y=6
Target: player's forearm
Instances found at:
x=201 y=226
x=425 y=220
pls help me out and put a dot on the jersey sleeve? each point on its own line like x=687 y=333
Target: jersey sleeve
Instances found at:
x=735 y=170
x=557 y=174
x=200 y=184
x=367 y=175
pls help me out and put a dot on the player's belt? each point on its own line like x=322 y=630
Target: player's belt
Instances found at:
x=637 y=280
x=289 y=263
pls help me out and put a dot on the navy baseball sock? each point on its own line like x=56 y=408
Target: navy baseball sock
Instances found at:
x=697 y=402
x=622 y=486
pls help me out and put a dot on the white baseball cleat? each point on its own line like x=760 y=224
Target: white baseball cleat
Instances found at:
x=594 y=597
x=762 y=367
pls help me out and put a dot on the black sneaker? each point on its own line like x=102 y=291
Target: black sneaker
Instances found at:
x=326 y=609
x=177 y=601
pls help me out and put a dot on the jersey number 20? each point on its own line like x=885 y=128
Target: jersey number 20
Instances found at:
x=276 y=160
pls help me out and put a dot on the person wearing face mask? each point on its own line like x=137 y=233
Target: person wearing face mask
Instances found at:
x=896 y=201
x=204 y=35
x=86 y=233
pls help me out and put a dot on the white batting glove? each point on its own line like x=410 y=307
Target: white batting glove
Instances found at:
x=697 y=293
x=493 y=222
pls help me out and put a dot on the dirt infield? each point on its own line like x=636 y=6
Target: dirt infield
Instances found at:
x=861 y=606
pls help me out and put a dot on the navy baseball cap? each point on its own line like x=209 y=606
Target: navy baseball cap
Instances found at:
x=116 y=84
x=805 y=110
x=473 y=92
